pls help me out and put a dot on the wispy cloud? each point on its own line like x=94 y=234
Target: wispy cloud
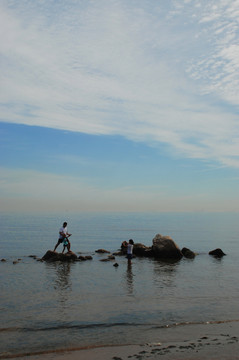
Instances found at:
x=159 y=72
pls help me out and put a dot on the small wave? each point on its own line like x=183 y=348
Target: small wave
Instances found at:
x=196 y=323
x=111 y=325
x=69 y=327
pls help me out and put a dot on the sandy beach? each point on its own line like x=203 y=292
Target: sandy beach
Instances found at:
x=213 y=341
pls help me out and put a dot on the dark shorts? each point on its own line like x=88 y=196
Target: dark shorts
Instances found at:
x=129 y=256
x=60 y=241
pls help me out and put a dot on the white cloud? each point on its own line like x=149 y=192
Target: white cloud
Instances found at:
x=150 y=73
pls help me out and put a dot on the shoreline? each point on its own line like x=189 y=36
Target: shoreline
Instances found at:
x=216 y=340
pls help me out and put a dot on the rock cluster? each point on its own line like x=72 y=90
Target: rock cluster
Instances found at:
x=163 y=248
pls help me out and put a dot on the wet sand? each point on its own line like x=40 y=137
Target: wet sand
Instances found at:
x=214 y=341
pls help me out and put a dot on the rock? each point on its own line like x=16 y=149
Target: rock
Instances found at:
x=142 y=250
x=3 y=260
x=165 y=248
x=104 y=260
x=15 y=262
x=217 y=253
x=84 y=258
x=54 y=256
x=116 y=265
x=118 y=253
x=50 y=255
x=189 y=254
x=109 y=258
x=102 y=251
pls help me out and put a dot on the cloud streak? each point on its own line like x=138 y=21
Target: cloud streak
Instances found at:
x=165 y=73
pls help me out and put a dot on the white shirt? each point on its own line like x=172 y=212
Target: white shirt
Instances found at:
x=63 y=230
x=130 y=249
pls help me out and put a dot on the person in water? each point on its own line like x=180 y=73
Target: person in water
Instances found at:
x=63 y=238
x=130 y=250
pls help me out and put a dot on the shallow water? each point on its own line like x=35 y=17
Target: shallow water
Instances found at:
x=62 y=305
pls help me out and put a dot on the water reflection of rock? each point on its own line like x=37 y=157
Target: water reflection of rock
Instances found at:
x=165 y=272
x=62 y=280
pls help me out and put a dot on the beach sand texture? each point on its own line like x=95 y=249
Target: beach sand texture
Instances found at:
x=219 y=341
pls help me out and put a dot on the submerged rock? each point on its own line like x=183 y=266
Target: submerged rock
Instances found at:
x=165 y=248
x=55 y=256
x=217 y=253
x=189 y=254
x=84 y=258
x=109 y=258
x=102 y=251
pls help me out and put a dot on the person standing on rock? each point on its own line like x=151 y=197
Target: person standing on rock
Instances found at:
x=64 y=237
x=130 y=251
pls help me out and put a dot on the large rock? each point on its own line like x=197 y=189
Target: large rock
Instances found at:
x=142 y=250
x=165 y=248
x=55 y=256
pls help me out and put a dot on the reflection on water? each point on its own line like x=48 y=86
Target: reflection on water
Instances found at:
x=61 y=280
x=130 y=279
x=165 y=272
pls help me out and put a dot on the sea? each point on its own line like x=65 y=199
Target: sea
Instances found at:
x=55 y=305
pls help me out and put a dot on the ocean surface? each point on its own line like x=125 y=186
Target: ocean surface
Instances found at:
x=46 y=306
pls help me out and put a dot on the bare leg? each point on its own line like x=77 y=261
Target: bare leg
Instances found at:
x=58 y=243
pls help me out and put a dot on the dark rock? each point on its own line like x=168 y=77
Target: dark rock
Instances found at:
x=118 y=253
x=54 y=256
x=165 y=248
x=84 y=258
x=50 y=255
x=109 y=258
x=102 y=251
x=217 y=253
x=116 y=265
x=188 y=253
x=3 y=260
x=142 y=250
x=15 y=262
x=104 y=260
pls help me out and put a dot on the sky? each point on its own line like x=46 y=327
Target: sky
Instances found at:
x=119 y=105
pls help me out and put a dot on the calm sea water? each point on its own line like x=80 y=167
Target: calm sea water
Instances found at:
x=63 y=305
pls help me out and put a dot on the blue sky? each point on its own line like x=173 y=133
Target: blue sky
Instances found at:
x=119 y=105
